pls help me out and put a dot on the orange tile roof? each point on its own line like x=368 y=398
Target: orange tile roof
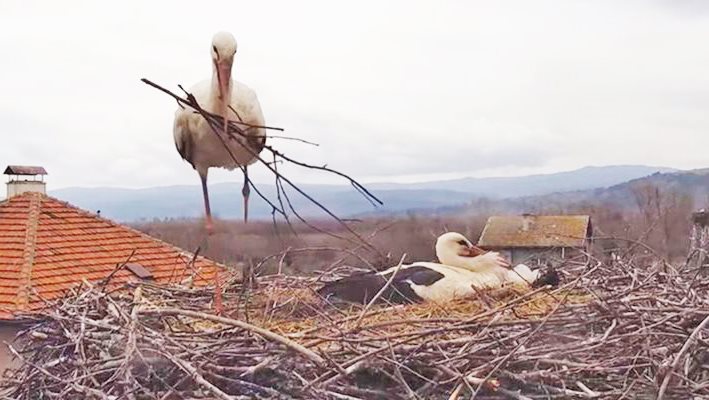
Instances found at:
x=536 y=231
x=48 y=246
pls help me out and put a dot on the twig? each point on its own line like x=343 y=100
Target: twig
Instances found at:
x=687 y=344
x=381 y=291
x=243 y=325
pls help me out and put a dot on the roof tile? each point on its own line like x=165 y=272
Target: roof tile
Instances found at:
x=69 y=245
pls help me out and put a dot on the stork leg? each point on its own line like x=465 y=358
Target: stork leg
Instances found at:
x=245 y=191
x=210 y=231
x=209 y=225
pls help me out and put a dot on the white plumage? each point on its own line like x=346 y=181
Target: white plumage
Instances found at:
x=194 y=138
x=455 y=283
x=490 y=269
x=461 y=271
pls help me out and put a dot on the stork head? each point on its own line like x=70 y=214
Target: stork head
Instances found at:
x=451 y=246
x=456 y=250
x=223 y=50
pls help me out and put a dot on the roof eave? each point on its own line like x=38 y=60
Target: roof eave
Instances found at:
x=507 y=246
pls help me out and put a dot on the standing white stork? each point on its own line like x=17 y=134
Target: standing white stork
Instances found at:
x=194 y=138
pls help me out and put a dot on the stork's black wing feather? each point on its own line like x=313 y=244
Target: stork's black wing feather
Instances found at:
x=183 y=140
x=361 y=288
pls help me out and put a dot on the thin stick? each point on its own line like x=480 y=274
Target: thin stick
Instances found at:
x=381 y=291
x=687 y=344
x=190 y=369
x=243 y=325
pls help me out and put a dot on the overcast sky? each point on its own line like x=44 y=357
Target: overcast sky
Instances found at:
x=392 y=90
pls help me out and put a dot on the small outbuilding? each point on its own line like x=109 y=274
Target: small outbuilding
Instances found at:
x=528 y=237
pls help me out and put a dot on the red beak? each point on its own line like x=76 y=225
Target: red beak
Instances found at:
x=223 y=77
x=471 y=252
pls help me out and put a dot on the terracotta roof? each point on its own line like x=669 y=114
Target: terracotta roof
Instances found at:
x=48 y=246
x=24 y=170
x=541 y=231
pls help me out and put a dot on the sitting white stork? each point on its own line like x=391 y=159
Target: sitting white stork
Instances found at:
x=491 y=269
x=463 y=269
x=194 y=138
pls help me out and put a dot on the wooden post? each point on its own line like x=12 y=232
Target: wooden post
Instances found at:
x=699 y=240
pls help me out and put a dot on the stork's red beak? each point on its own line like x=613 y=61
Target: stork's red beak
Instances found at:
x=223 y=77
x=468 y=252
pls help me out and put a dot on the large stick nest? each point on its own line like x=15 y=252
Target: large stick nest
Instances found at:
x=613 y=330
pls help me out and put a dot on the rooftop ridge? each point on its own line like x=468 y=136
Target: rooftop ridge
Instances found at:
x=28 y=253
x=131 y=229
x=49 y=246
x=536 y=231
x=114 y=224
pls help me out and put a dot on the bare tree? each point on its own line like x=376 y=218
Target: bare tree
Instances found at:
x=665 y=214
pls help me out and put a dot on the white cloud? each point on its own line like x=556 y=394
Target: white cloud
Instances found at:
x=389 y=89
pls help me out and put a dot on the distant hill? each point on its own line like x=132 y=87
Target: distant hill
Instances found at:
x=692 y=185
x=186 y=201
x=532 y=185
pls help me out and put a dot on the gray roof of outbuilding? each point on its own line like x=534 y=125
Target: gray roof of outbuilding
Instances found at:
x=543 y=231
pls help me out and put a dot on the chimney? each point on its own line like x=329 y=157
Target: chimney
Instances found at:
x=23 y=178
x=527 y=221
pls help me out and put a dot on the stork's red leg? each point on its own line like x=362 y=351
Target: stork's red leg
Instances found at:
x=245 y=191
x=210 y=230
x=207 y=211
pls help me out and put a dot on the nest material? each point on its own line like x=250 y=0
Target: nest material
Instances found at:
x=611 y=331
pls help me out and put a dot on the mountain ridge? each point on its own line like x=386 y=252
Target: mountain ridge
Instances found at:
x=177 y=201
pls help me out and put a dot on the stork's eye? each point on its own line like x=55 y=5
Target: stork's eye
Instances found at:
x=215 y=50
x=462 y=243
